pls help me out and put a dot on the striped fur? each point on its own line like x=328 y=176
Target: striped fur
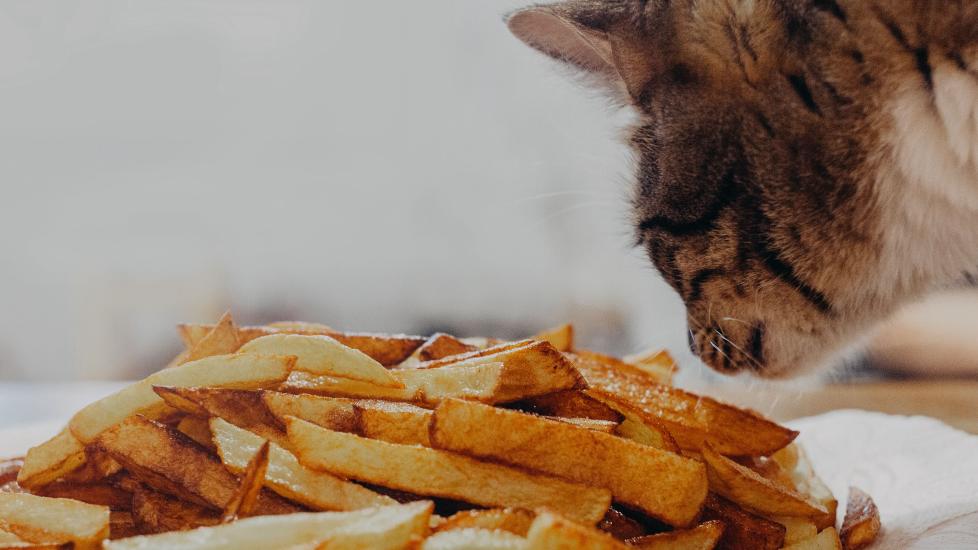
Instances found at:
x=804 y=167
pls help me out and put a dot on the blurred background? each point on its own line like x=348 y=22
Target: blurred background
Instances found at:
x=394 y=166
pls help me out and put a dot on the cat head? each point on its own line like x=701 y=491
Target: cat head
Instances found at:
x=753 y=196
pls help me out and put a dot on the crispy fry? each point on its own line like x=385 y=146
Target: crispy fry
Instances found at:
x=334 y=413
x=862 y=523
x=474 y=538
x=437 y=346
x=101 y=494
x=561 y=338
x=702 y=537
x=661 y=484
x=239 y=371
x=828 y=539
x=637 y=425
x=396 y=522
x=796 y=529
x=252 y=480
x=154 y=512
x=691 y=419
x=589 y=423
x=386 y=349
x=743 y=530
x=552 y=532
x=171 y=463
x=243 y=408
x=287 y=477
x=51 y=460
x=657 y=363
x=196 y=428
x=747 y=488
x=221 y=340
x=437 y=473
x=512 y=520
x=569 y=404
x=393 y=422
x=324 y=355
x=526 y=372
x=46 y=520
x=483 y=353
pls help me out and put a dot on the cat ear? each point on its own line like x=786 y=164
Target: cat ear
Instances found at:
x=593 y=44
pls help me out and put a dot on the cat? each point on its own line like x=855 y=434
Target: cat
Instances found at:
x=804 y=167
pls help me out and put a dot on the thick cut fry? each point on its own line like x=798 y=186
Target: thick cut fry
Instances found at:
x=288 y=478
x=243 y=408
x=101 y=494
x=638 y=425
x=513 y=520
x=743 y=530
x=393 y=422
x=552 y=532
x=240 y=371
x=828 y=539
x=427 y=471
x=53 y=520
x=196 y=428
x=807 y=482
x=862 y=523
x=252 y=480
x=749 y=489
x=386 y=349
x=171 y=463
x=437 y=346
x=481 y=353
x=662 y=484
x=291 y=530
x=474 y=538
x=691 y=419
x=334 y=413
x=591 y=424
x=154 y=512
x=569 y=404
x=657 y=363
x=399 y=532
x=221 y=340
x=561 y=338
x=51 y=460
x=324 y=355
x=702 y=537
x=796 y=529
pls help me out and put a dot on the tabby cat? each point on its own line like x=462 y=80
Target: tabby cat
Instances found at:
x=804 y=167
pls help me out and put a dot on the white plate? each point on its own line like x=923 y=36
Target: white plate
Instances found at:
x=922 y=474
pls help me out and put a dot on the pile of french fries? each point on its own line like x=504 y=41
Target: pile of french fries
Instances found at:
x=295 y=435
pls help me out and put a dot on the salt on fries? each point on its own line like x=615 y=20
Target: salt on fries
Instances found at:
x=297 y=435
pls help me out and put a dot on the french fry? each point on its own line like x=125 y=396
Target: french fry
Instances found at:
x=569 y=404
x=171 y=463
x=657 y=363
x=397 y=533
x=252 y=480
x=474 y=538
x=589 y=423
x=662 y=484
x=431 y=472
x=526 y=372
x=512 y=520
x=552 y=532
x=101 y=494
x=743 y=530
x=239 y=371
x=489 y=354
x=636 y=424
x=749 y=489
x=53 y=520
x=704 y=536
x=243 y=408
x=397 y=523
x=862 y=522
x=393 y=422
x=196 y=428
x=691 y=419
x=287 y=477
x=807 y=482
x=386 y=349
x=437 y=346
x=324 y=355
x=221 y=340
x=828 y=539
x=51 y=460
x=154 y=512
x=561 y=338
x=334 y=413
x=796 y=529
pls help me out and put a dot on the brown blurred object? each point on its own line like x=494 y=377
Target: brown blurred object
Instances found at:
x=936 y=337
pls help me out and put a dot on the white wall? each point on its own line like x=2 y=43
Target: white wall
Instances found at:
x=390 y=166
